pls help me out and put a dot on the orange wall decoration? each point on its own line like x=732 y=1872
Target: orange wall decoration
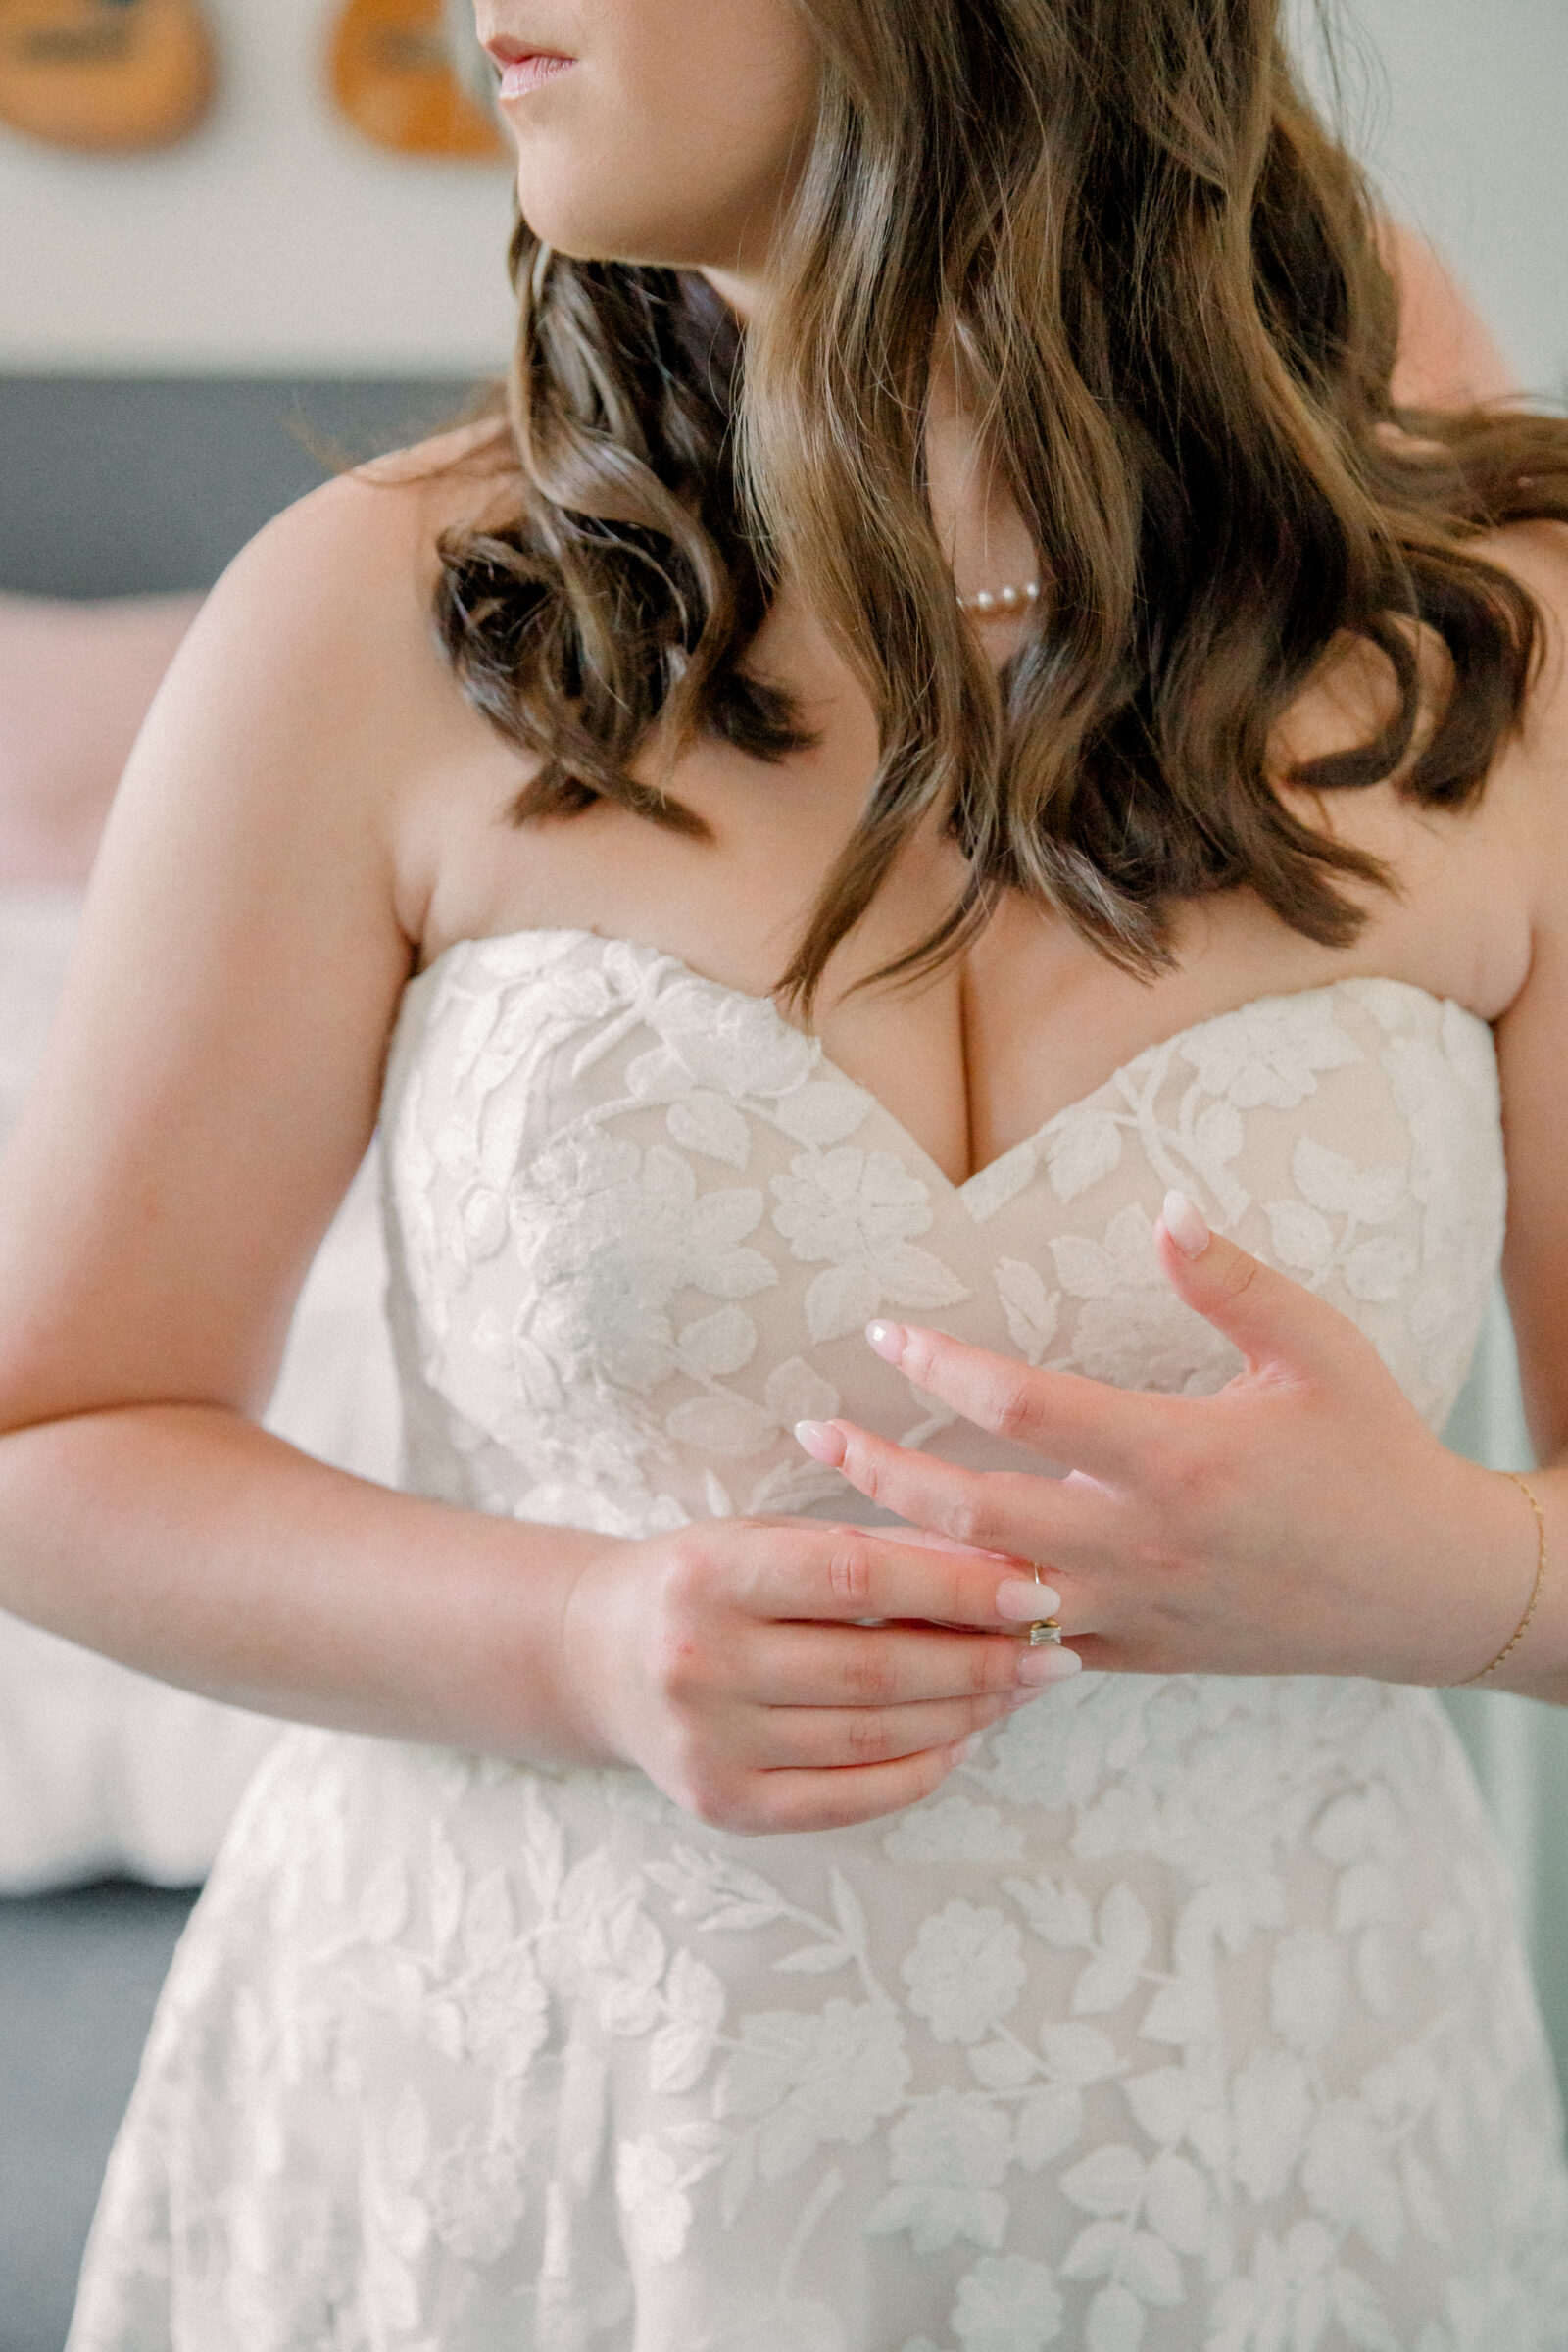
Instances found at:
x=393 y=78
x=106 y=76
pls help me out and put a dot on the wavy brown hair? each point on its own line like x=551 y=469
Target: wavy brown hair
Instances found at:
x=1162 y=280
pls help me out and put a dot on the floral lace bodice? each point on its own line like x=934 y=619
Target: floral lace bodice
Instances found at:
x=1187 y=2016
x=644 y=1221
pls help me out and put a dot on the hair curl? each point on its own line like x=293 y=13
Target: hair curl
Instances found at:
x=1164 y=288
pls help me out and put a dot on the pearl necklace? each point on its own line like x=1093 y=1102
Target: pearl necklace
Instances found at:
x=988 y=603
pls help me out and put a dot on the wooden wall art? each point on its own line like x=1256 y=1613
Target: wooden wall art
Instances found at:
x=105 y=76
x=393 y=77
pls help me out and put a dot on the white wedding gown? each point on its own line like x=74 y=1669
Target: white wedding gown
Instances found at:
x=1189 y=2016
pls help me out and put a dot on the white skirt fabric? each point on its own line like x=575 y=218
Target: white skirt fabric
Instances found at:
x=1190 y=2016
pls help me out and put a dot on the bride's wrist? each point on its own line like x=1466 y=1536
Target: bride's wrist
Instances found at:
x=1515 y=1634
x=587 y=1626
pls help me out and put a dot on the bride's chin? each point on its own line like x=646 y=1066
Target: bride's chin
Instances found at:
x=577 y=216
x=584 y=234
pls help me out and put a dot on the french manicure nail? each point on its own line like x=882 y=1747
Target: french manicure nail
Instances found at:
x=1186 y=1224
x=887 y=1339
x=823 y=1442
x=1037 y=1667
x=1026 y=1600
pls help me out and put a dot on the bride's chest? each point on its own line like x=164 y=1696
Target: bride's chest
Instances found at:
x=979 y=1054
x=642 y=1222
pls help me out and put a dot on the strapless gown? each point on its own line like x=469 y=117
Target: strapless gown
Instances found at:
x=1189 y=2016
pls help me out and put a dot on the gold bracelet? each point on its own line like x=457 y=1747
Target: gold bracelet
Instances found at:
x=1520 y=1629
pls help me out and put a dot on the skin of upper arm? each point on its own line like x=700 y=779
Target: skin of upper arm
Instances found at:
x=214 y=1072
x=1448 y=358
x=1533 y=1033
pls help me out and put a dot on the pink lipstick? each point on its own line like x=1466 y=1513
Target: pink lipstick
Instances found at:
x=521 y=76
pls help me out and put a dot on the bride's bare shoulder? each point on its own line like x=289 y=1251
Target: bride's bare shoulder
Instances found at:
x=453 y=478
x=1535 y=765
x=362 y=551
x=311 y=704
x=328 y=610
x=1512 y=846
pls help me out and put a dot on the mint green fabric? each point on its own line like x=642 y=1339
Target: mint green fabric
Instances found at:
x=1519 y=1749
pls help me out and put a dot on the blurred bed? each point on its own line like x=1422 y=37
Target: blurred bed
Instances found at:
x=121 y=500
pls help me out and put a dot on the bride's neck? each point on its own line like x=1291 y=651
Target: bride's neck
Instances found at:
x=979 y=526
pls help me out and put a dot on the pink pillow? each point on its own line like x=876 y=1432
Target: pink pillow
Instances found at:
x=75 y=680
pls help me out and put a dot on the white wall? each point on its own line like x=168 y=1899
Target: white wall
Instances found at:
x=277 y=240
x=1468 y=134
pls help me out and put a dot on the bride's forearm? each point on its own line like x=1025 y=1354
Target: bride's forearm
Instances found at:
x=188 y=1543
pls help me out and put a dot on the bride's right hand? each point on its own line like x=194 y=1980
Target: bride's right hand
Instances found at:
x=731 y=1662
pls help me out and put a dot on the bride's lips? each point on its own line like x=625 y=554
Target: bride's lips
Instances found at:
x=523 y=71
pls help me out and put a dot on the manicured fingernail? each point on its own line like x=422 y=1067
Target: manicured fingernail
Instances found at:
x=1037 y=1667
x=1028 y=1600
x=1186 y=1224
x=823 y=1442
x=888 y=1340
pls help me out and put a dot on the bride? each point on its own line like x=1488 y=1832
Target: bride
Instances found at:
x=945 y=930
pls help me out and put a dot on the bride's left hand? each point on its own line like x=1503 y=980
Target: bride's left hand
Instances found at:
x=1303 y=1520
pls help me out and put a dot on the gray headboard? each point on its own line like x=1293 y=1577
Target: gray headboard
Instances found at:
x=118 y=486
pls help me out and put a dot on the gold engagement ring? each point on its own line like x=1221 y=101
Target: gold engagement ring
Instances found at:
x=1045 y=1632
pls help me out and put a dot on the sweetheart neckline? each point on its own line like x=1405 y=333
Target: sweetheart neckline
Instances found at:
x=968 y=1185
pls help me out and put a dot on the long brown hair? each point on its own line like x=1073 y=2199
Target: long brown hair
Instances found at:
x=1162 y=280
